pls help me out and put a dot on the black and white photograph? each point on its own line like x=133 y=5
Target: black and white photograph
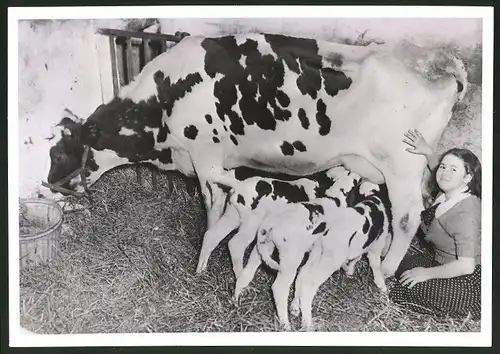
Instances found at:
x=238 y=173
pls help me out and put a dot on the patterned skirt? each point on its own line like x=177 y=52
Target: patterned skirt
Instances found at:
x=455 y=297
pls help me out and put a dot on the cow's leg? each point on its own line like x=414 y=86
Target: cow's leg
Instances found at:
x=248 y=272
x=214 y=199
x=229 y=221
x=289 y=262
x=209 y=171
x=406 y=200
x=239 y=242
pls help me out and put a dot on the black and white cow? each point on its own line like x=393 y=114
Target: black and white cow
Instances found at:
x=278 y=104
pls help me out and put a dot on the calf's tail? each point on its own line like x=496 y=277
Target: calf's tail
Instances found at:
x=265 y=247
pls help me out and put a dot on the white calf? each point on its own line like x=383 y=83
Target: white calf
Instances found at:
x=334 y=236
x=251 y=199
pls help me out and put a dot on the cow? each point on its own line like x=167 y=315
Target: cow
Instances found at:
x=254 y=196
x=278 y=104
x=333 y=234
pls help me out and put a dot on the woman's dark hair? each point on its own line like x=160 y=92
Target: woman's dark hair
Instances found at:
x=472 y=167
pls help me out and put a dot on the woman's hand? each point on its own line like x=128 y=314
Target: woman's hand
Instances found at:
x=414 y=276
x=419 y=146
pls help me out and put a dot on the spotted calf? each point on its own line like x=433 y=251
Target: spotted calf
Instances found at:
x=254 y=196
x=333 y=236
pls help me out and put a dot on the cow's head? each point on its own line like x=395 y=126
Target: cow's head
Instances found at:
x=69 y=155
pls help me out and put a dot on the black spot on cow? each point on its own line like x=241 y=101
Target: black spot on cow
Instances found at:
x=335 y=80
x=190 y=132
x=208 y=118
x=263 y=189
x=304 y=121
x=324 y=183
x=320 y=228
x=169 y=93
x=240 y=199
x=360 y=210
x=215 y=139
x=233 y=139
x=165 y=156
x=215 y=131
x=237 y=127
x=326 y=232
x=292 y=193
x=313 y=210
x=301 y=56
x=323 y=121
x=377 y=222
x=287 y=148
x=281 y=114
x=283 y=98
x=259 y=73
x=299 y=146
x=162 y=133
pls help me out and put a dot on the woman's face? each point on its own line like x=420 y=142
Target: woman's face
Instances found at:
x=451 y=174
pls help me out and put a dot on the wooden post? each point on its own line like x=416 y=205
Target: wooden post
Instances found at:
x=114 y=70
x=147 y=51
x=129 y=60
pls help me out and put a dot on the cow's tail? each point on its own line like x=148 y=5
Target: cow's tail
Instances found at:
x=265 y=247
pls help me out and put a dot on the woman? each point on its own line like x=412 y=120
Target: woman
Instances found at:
x=446 y=278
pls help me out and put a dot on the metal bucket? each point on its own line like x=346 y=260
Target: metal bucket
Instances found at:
x=40 y=223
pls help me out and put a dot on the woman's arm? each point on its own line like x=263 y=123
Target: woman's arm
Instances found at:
x=462 y=266
x=420 y=147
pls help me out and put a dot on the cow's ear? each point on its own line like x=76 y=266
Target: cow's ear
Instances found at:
x=70 y=128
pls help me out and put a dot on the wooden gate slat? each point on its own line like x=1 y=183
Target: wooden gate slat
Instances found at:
x=112 y=48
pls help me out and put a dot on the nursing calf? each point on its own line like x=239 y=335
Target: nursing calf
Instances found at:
x=253 y=196
x=333 y=236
